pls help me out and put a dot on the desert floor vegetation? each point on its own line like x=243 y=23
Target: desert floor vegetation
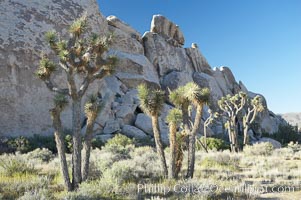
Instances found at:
x=122 y=170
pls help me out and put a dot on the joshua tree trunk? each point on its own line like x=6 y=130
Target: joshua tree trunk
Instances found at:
x=59 y=139
x=159 y=146
x=246 y=128
x=205 y=138
x=179 y=156
x=87 y=148
x=191 y=146
x=77 y=144
x=173 y=150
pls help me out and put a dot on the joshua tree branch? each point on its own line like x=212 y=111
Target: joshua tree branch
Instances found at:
x=53 y=88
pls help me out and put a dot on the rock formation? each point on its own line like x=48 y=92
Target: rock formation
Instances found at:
x=156 y=58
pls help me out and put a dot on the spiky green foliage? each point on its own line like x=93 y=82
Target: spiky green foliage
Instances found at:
x=46 y=68
x=178 y=97
x=78 y=26
x=64 y=55
x=196 y=94
x=151 y=101
x=60 y=101
x=174 y=116
x=62 y=45
x=93 y=106
x=257 y=102
x=51 y=37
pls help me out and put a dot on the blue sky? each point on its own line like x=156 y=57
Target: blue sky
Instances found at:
x=260 y=40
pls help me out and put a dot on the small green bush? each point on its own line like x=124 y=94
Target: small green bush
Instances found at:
x=97 y=143
x=120 y=144
x=15 y=164
x=43 y=155
x=20 y=144
x=119 y=173
x=259 y=149
x=213 y=144
x=41 y=194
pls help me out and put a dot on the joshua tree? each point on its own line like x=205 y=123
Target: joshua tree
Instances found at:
x=81 y=58
x=254 y=107
x=151 y=102
x=231 y=106
x=207 y=122
x=199 y=97
x=92 y=107
x=183 y=97
x=174 y=118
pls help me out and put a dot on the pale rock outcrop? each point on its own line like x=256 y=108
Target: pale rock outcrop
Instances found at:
x=242 y=87
x=220 y=79
x=112 y=126
x=275 y=143
x=117 y=23
x=144 y=123
x=175 y=79
x=157 y=59
x=123 y=41
x=133 y=69
x=126 y=114
x=164 y=56
x=198 y=61
x=167 y=29
x=205 y=80
x=133 y=132
x=25 y=100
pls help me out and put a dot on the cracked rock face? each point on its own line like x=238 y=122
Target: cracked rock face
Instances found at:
x=24 y=100
x=156 y=58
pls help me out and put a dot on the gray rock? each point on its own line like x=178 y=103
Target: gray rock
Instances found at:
x=164 y=56
x=24 y=100
x=222 y=82
x=242 y=87
x=123 y=41
x=144 y=123
x=104 y=138
x=126 y=114
x=198 y=61
x=205 y=80
x=133 y=132
x=112 y=126
x=133 y=69
x=168 y=29
x=175 y=79
x=115 y=22
x=276 y=144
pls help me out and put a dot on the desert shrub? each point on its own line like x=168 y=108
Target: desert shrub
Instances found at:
x=214 y=144
x=20 y=144
x=97 y=143
x=220 y=160
x=259 y=149
x=145 y=160
x=40 y=194
x=120 y=140
x=15 y=187
x=120 y=173
x=43 y=155
x=15 y=164
x=120 y=144
x=42 y=141
x=294 y=146
x=68 y=143
x=95 y=190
